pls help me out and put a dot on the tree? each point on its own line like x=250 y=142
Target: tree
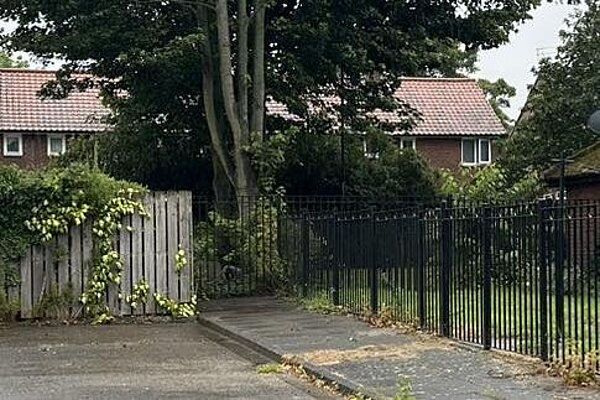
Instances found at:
x=8 y=62
x=245 y=50
x=498 y=94
x=565 y=94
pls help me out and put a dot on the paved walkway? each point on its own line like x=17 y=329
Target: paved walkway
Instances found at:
x=146 y=362
x=374 y=360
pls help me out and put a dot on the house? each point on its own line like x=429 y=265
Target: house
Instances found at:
x=582 y=174
x=33 y=129
x=457 y=125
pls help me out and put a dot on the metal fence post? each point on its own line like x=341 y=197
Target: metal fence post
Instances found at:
x=374 y=267
x=445 y=265
x=337 y=257
x=559 y=278
x=305 y=253
x=487 y=278
x=421 y=268
x=543 y=278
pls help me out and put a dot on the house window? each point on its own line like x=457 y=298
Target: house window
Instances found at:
x=57 y=145
x=369 y=151
x=13 y=145
x=476 y=151
x=408 y=144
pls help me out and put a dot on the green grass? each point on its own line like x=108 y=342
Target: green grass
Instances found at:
x=516 y=321
x=266 y=369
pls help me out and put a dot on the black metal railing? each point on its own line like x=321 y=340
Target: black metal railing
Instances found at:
x=519 y=277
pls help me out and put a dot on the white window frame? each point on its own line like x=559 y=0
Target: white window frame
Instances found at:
x=489 y=151
x=63 y=138
x=5 y=145
x=412 y=140
x=373 y=156
x=478 y=143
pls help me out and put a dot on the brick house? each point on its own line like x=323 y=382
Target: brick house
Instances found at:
x=457 y=126
x=582 y=174
x=32 y=129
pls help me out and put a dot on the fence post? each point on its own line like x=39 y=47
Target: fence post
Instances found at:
x=374 y=267
x=559 y=278
x=337 y=257
x=445 y=265
x=421 y=268
x=487 y=278
x=305 y=253
x=543 y=278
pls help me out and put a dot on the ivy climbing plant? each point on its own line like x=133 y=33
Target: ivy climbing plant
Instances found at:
x=48 y=203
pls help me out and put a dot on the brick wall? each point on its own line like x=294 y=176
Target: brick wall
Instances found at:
x=584 y=191
x=35 y=152
x=440 y=152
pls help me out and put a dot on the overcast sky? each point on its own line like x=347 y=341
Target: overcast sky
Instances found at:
x=514 y=61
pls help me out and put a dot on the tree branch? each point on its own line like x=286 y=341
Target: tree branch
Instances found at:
x=208 y=93
x=242 y=76
x=226 y=70
x=258 y=79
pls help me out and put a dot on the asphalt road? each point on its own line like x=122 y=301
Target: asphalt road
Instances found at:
x=156 y=361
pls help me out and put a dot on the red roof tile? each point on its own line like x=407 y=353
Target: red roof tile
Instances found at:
x=447 y=107
x=21 y=109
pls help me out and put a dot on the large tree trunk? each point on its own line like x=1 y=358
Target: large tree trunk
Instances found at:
x=236 y=110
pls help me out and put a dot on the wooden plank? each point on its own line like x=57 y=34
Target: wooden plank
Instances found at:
x=76 y=263
x=161 y=243
x=50 y=265
x=150 y=252
x=37 y=273
x=185 y=239
x=26 y=286
x=62 y=255
x=137 y=256
x=125 y=253
x=172 y=244
x=112 y=294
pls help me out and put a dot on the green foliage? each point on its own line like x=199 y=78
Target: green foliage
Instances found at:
x=268 y=156
x=8 y=309
x=577 y=370
x=498 y=94
x=564 y=96
x=44 y=204
x=405 y=390
x=55 y=303
x=265 y=369
x=249 y=243
x=489 y=184
x=6 y=61
x=180 y=260
x=175 y=309
x=319 y=303
x=313 y=165
x=139 y=294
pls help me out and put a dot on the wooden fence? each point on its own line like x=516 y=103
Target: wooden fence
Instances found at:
x=147 y=250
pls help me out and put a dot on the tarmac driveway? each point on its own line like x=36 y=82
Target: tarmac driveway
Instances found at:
x=155 y=361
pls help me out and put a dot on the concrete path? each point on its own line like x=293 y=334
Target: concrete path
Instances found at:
x=158 y=361
x=375 y=360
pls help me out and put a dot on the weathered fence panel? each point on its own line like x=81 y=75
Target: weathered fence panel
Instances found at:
x=147 y=245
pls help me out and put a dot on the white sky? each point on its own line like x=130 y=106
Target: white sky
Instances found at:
x=515 y=60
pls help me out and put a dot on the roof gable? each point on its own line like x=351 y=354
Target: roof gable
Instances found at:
x=447 y=106
x=22 y=109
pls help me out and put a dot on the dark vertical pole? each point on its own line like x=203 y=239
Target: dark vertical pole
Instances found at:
x=560 y=258
x=445 y=239
x=305 y=253
x=487 y=278
x=421 y=268
x=543 y=278
x=337 y=259
x=374 y=267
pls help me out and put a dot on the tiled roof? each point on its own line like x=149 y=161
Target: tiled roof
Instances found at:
x=21 y=109
x=446 y=106
x=584 y=163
